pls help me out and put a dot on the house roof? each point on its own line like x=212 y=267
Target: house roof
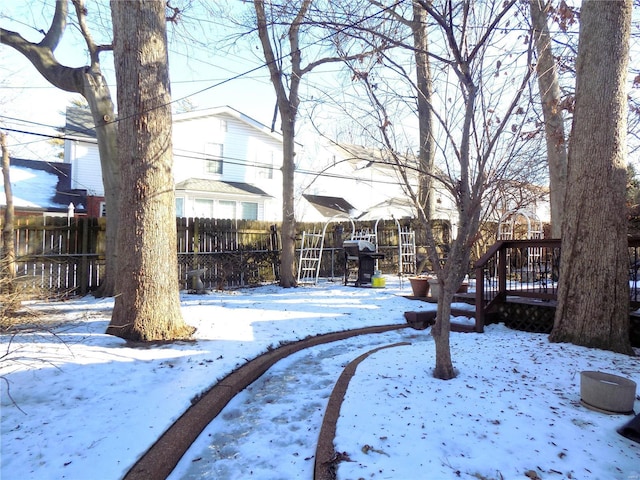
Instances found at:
x=218 y=186
x=79 y=123
x=231 y=112
x=330 y=206
x=398 y=207
x=380 y=160
x=361 y=153
x=38 y=185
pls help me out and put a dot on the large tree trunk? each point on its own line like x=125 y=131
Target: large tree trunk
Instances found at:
x=147 y=305
x=553 y=122
x=424 y=85
x=426 y=152
x=593 y=293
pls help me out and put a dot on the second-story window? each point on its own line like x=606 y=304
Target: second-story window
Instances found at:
x=265 y=165
x=213 y=158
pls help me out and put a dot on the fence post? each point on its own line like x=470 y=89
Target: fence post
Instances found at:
x=275 y=248
x=196 y=243
x=83 y=274
x=480 y=300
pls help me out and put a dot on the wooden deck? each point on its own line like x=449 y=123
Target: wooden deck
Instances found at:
x=520 y=313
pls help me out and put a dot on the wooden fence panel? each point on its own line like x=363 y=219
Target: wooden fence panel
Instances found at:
x=232 y=253
x=65 y=255
x=59 y=255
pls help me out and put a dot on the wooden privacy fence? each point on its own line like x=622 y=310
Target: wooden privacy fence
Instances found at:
x=60 y=255
x=66 y=256
x=232 y=253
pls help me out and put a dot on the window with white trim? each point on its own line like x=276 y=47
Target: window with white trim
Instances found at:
x=213 y=154
x=249 y=211
x=203 y=208
x=226 y=209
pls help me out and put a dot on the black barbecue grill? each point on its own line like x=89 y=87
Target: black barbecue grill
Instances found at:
x=359 y=261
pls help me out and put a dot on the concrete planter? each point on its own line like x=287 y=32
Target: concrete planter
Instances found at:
x=194 y=280
x=434 y=286
x=606 y=392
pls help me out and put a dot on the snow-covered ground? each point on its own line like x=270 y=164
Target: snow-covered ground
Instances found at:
x=79 y=404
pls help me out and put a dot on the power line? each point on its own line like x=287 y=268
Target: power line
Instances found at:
x=226 y=160
x=265 y=64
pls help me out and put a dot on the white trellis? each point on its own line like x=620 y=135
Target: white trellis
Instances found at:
x=311 y=253
x=523 y=225
x=509 y=222
x=406 y=245
x=312 y=246
x=406 y=250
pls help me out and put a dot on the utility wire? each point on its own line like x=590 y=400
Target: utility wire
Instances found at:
x=226 y=160
x=265 y=64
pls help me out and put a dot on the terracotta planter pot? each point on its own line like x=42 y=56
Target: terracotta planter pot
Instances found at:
x=463 y=288
x=419 y=286
x=420 y=320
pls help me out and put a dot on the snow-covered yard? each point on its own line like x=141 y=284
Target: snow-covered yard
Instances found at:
x=80 y=404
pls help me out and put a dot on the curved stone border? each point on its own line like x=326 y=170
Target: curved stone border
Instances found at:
x=163 y=456
x=326 y=457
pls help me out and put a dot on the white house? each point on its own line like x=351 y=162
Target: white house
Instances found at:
x=364 y=181
x=226 y=165
x=365 y=184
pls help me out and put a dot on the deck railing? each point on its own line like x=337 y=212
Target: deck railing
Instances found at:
x=530 y=269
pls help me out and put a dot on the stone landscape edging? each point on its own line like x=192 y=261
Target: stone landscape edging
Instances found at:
x=326 y=458
x=162 y=457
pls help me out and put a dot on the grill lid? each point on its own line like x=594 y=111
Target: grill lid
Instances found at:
x=360 y=245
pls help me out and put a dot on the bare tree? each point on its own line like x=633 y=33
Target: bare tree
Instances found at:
x=417 y=21
x=593 y=291
x=473 y=128
x=548 y=84
x=89 y=82
x=424 y=94
x=9 y=293
x=147 y=305
x=286 y=71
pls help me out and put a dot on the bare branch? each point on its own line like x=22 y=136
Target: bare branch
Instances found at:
x=94 y=50
x=41 y=56
x=57 y=28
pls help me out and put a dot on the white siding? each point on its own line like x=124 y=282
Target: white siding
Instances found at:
x=86 y=172
x=189 y=144
x=246 y=150
x=191 y=207
x=364 y=185
x=245 y=145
